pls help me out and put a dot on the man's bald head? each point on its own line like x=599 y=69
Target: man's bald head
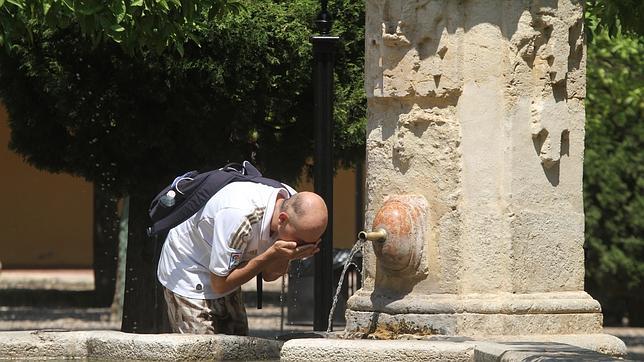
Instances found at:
x=307 y=213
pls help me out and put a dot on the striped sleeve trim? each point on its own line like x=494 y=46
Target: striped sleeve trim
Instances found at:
x=240 y=237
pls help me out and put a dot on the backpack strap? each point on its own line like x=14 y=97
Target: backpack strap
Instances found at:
x=191 y=191
x=191 y=196
x=250 y=170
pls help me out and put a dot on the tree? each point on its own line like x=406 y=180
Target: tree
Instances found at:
x=613 y=172
x=615 y=16
x=135 y=24
x=132 y=120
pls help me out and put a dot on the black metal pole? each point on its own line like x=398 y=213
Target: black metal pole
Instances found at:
x=324 y=49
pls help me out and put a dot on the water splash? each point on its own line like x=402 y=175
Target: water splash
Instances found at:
x=356 y=247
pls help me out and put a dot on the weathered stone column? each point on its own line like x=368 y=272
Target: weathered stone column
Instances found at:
x=476 y=120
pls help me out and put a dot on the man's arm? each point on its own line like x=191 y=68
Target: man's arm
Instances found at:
x=273 y=261
x=241 y=274
x=280 y=267
x=275 y=270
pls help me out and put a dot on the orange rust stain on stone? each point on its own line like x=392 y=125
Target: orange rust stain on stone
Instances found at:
x=394 y=217
x=399 y=219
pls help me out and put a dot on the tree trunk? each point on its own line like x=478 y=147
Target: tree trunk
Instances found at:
x=144 y=309
x=106 y=228
x=119 y=290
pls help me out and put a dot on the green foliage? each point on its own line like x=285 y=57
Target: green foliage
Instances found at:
x=93 y=110
x=135 y=24
x=613 y=173
x=350 y=98
x=616 y=15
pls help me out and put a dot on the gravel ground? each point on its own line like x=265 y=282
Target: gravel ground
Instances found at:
x=266 y=322
x=28 y=318
x=634 y=339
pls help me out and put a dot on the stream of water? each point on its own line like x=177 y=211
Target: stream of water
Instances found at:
x=356 y=247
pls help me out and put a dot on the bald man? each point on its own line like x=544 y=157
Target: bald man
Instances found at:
x=245 y=229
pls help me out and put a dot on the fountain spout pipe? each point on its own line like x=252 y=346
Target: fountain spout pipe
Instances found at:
x=379 y=235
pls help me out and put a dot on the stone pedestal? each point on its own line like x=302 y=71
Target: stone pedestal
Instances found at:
x=476 y=108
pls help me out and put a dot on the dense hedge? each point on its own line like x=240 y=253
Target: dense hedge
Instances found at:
x=613 y=174
x=246 y=90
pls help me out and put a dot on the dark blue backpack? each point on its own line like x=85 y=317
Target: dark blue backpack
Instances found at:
x=188 y=193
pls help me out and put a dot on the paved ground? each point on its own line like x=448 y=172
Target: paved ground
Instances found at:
x=268 y=322
x=634 y=339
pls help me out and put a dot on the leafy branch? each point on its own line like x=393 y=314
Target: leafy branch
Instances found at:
x=137 y=25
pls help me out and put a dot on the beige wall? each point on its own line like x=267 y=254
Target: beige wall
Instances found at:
x=46 y=219
x=344 y=209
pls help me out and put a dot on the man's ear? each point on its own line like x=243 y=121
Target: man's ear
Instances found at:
x=282 y=217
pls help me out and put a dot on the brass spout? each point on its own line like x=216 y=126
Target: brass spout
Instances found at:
x=377 y=235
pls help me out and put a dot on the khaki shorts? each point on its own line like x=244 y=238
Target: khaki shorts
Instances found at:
x=226 y=315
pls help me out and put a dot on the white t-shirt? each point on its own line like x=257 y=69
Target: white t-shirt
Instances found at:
x=233 y=227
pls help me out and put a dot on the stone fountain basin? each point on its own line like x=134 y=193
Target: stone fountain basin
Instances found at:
x=119 y=346
x=588 y=347
x=114 y=345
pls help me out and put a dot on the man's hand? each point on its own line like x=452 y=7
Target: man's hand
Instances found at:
x=283 y=249
x=273 y=263
x=283 y=253
x=306 y=250
x=290 y=250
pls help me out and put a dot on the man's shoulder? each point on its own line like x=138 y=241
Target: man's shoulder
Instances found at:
x=248 y=185
x=244 y=193
x=214 y=211
x=240 y=198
